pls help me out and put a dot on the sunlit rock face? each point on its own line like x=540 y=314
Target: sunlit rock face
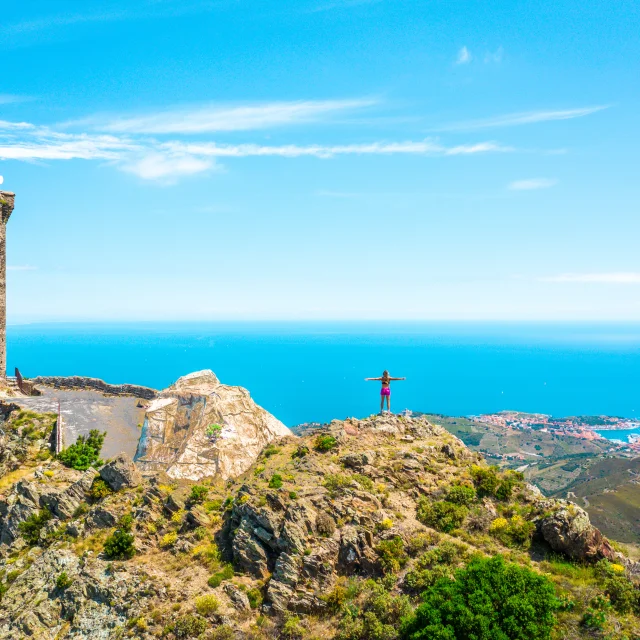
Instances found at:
x=199 y=427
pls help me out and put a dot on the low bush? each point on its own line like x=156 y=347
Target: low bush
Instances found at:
x=32 y=526
x=218 y=578
x=441 y=515
x=335 y=482
x=489 y=599
x=99 y=489
x=119 y=545
x=391 y=554
x=63 y=581
x=85 y=452
x=325 y=524
x=207 y=605
x=461 y=494
x=300 y=452
x=198 y=494
x=485 y=480
x=169 y=539
x=189 y=626
x=515 y=532
x=271 y=450
x=324 y=443
x=255 y=598
x=276 y=481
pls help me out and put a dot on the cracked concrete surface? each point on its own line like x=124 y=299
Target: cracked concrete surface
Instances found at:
x=86 y=410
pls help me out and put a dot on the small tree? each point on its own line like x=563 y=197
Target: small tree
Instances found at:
x=198 y=494
x=120 y=545
x=488 y=600
x=85 y=452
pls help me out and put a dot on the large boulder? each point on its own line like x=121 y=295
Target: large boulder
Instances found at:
x=199 y=427
x=569 y=530
x=121 y=472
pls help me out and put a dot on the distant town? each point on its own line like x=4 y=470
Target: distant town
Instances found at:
x=578 y=426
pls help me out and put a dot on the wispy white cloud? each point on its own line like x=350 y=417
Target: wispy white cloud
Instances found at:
x=23 y=267
x=464 y=56
x=495 y=57
x=528 y=117
x=168 y=161
x=216 y=118
x=623 y=277
x=532 y=184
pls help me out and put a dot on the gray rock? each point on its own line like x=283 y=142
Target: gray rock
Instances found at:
x=248 y=553
x=237 y=597
x=101 y=518
x=121 y=472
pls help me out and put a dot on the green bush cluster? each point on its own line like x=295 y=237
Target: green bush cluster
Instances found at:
x=434 y=564
x=276 y=481
x=461 y=494
x=514 y=532
x=218 y=578
x=489 y=482
x=99 y=489
x=207 y=605
x=442 y=515
x=335 y=482
x=488 y=600
x=255 y=598
x=376 y=616
x=198 y=494
x=391 y=554
x=188 y=626
x=324 y=443
x=31 y=527
x=85 y=452
x=120 y=544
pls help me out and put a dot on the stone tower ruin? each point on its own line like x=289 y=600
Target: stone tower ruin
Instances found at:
x=6 y=207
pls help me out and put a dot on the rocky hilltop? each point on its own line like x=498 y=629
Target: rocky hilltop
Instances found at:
x=200 y=428
x=339 y=533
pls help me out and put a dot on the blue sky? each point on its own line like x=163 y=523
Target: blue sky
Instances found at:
x=344 y=159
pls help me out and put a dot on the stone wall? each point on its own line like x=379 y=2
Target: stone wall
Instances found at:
x=94 y=384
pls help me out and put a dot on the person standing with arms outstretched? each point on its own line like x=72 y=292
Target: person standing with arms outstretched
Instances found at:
x=385 y=392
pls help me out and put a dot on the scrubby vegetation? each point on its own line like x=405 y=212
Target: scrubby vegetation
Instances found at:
x=85 y=452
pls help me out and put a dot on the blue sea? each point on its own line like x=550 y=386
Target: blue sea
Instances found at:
x=304 y=372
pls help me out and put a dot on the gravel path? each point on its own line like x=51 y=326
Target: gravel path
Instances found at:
x=86 y=410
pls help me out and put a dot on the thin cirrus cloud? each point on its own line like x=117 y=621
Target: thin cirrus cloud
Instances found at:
x=622 y=277
x=214 y=118
x=532 y=184
x=130 y=149
x=527 y=117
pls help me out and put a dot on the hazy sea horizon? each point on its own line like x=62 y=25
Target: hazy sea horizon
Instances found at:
x=314 y=371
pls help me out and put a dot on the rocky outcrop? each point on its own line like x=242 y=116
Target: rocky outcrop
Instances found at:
x=95 y=384
x=199 y=427
x=569 y=530
x=121 y=472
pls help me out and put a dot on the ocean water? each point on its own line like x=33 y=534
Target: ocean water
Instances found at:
x=305 y=372
x=619 y=435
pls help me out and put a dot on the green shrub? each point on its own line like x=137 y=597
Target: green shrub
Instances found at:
x=442 y=515
x=461 y=494
x=119 y=545
x=624 y=597
x=255 y=598
x=271 y=450
x=300 y=452
x=488 y=600
x=213 y=431
x=515 y=532
x=189 y=626
x=324 y=443
x=325 y=524
x=198 y=494
x=63 y=581
x=32 y=526
x=391 y=553
x=485 y=480
x=206 y=605
x=293 y=495
x=85 y=452
x=218 y=578
x=292 y=629
x=335 y=482
x=364 y=481
x=99 y=489
x=434 y=564
x=276 y=481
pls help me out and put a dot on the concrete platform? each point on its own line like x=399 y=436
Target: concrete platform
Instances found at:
x=86 y=410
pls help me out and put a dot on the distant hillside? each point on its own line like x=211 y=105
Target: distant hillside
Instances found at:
x=564 y=466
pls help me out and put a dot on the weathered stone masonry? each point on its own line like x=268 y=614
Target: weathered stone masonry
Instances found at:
x=7 y=200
